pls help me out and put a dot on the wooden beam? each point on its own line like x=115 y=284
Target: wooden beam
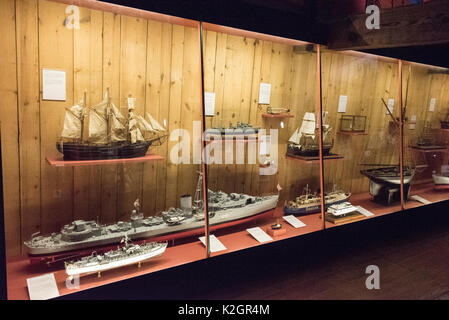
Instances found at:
x=406 y=26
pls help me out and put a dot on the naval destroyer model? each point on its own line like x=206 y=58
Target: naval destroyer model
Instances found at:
x=129 y=254
x=80 y=235
x=309 y=203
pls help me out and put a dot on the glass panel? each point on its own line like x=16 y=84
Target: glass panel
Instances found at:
x=361 y=110
x=425 y=134
x=130 y=83
x=261 y=90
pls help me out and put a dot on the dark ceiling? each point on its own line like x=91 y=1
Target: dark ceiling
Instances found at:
x=307 y=20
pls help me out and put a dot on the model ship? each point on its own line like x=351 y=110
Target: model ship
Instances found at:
x=110 y=135
x=341 y=209
x=81 y=234
x=426 y=140
x=128 y=254
x=274 y=110
x=241 y=128
x=305 y=141
x=440 y=179
x=309 y=203
x=385 y=182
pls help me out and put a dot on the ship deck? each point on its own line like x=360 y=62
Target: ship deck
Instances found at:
x=184 y=251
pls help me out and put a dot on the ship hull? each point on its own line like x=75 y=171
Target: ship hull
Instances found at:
x=144 y=232
x=307 y=152
x=304 y=210
x=386 y=188
x=119 y=150
x=117 y=264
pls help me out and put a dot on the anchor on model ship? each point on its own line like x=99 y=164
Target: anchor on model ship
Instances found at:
x=305 y=141
x=109 y=134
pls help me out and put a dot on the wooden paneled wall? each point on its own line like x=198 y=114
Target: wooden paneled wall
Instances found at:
x=157 y=63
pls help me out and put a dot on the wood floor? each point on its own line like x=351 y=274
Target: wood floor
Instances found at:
x=413 y=265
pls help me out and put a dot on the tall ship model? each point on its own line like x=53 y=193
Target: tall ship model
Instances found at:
x=305 y=141
x=128 y=254
x=81 y=234
x=109 y=134
x=308 y=202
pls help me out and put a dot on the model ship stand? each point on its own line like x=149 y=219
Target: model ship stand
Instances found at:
x=342 y=213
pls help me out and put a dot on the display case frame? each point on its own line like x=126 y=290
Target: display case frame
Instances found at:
x=233 y=236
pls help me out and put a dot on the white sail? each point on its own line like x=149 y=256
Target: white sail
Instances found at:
x=117 y=112
x=144 y=125
x=308 y=124
x=295 y=137
x=98 y=127
x=154 y=123
x=118 y=131
x=72 y=122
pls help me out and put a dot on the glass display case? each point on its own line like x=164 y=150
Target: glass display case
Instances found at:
x=134 y=141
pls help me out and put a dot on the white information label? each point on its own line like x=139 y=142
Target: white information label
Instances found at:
x=53 y=85
x=264 y=146
x=390 y=105
x=295 y=222
x=365 y=212
x=342 y=104
x=259 y=234
x=432 y=104
x=209 y=103
x=420 y=199
x=215 y=244
x=42 y=287
x=264 y=93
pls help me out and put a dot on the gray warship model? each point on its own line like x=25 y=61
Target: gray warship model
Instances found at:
x=240 y=129
x=80 y=234
x=129 y=254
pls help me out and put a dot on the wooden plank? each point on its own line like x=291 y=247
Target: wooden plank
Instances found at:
x=406 y=26
x=88 y=77
x=57 y=53
x=132 y=84
x=28 y=102
x=174 y=119
x=164 y=111
x=111 y=79
x=9 y=128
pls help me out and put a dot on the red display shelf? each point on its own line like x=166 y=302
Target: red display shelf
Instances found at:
x=279 y=116
x=430 y=150
x=352 y=133
x=314 y=159
x=58 y=161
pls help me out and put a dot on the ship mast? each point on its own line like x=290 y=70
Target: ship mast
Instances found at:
x=83 y=116
x=108 y=117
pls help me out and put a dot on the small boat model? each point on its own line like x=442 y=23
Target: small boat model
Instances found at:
x=385 y=182
x=110 y=135
x=426 y=140
x=341 y=209
x=273 y=110
x=241 y=128
x=128 y=254
x=440 y=180
x=305 y=140
x=309 y=203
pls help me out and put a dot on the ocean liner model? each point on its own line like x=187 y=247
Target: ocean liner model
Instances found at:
x=128 y=254
x=110 y=135
x=305 y=141
x=309 y=203
x=80 y=234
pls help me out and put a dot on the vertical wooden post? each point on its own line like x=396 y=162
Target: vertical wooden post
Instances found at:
x=3 y=287
x=203 y=128
x=320 y=123
x=401 y=136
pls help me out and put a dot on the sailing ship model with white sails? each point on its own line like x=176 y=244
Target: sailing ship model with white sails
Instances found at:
x=110 y=134
x=305 y=141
